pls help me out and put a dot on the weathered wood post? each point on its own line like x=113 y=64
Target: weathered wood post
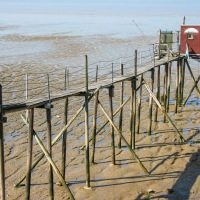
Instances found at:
x=97 y=72
x=49 y=147
x=139 y=106
x=134 y=99
x=168 y=85
x=177 y=86
x=159 y=39
x=121 y=102
x=94 y=126
x=2 y=162
x=111 y=95
x=151 y=102
x=29 y=152
x=165 y=90
x=65 y=83
x=180 y=82
x=87 y=156
x=64 y=138
x=157 y=94
x=183 y=79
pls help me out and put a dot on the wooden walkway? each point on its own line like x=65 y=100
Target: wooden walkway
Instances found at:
x=40 y=101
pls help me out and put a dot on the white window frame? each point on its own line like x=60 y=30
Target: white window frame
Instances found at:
x=190 y=36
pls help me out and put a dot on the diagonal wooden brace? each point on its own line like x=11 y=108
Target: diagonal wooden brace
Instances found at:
x=120 y=107
x=194 y=86
x=58 y=136
x=124 y=140
x=55 y=168
x=163 y=110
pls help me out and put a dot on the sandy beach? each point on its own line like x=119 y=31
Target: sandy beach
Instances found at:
x=174 y=168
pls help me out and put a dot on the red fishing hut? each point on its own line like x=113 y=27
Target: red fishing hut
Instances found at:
x=190 y=40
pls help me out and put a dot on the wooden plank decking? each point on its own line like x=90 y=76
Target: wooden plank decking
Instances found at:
x=39 y=101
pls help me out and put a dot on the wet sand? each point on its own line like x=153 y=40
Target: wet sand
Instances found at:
x=174 y=168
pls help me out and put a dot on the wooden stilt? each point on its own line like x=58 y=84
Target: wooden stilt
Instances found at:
x=51 y=189
x=151 y=103
x=121 y=102
x=2 y=164
x=189 y=68
x=57 y=137
x=191 y=91
x=29 y=153
x=139 y=106
x=83 y=146
x=165 y=90
x=131 y=115
x=177 y=86
x=180 y=82
x=94 y=126
x=53 y=165
x=64 y=138
x=168 y=85
x=124 y=140
x=45 y=152
x=163 y=110
x=87 y=156
x=183 y=79
x=111 y=94
x=157 y=94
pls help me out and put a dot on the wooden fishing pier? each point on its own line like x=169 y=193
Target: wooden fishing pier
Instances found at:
x=90 y=87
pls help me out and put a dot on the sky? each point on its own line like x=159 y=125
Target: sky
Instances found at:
x=127 y=7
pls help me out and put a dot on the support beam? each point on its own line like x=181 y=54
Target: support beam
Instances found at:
x=29 y=153
x=64 y=138
x=189 y=68
x=58 y=136
x=124 y=140
x=121 y=102
x=157 y=94
x=163 y=111
x=111 y=95
x=2 y=161
x=83 y=146
x=51 y=189
x=94 y=126
x=151 y=103
x=177 y=87
x=87 y=155
x=139 y=106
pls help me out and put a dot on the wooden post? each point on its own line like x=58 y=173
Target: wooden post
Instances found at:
x=134 y=85
x=159 y=44
x=183 y=79
x=64 y=138
x=121 y=102
x=102 y=127
x=2 y=161
x=29 y=153
x=87 y=158
x=151 y=103
x=53 y=165
x=168 y=84
x=65 y=84
x=124 y=140
x=180 y=82
x=97 y=72
x=177 y=86
x=165 y=90
x=157 y=94
x=26 y=86
x=111 y=94
x=57 y=137
x=139 y=106
x=94 y=126
x=163 y=110
x=48 y=114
